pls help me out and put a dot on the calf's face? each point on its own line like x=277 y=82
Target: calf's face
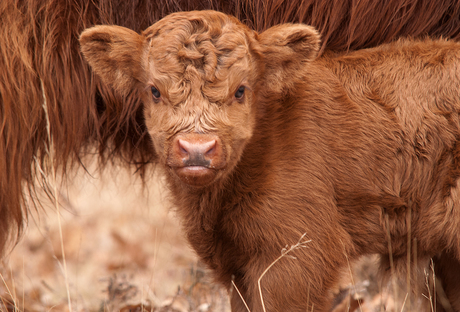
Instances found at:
x=199 y=75
x=199 y=111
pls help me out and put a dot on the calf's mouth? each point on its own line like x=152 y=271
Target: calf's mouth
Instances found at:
x=196 y=158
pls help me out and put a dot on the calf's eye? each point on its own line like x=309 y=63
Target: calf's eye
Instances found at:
x=240 y=92
x=156 y=94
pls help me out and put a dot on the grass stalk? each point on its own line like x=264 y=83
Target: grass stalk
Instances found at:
x=408 y=264
x=392 y=267
x=351 y=276
x=284 y=252
x=51 y=151
x=429 y=297
x=13 y=296
x=241 y=296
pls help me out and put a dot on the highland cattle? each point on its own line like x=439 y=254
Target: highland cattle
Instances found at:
x=263 y=141
x=54 y=111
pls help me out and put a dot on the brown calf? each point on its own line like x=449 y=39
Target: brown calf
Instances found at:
x=41 y=67
x=262 y=141
x=45 y=81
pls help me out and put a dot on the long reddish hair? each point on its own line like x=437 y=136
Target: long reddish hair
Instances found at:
x=52 y=105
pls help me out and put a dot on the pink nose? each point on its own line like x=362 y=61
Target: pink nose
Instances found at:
x=196 y=158
x=197 y=153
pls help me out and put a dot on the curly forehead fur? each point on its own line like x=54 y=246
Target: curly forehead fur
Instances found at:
x=199 y=51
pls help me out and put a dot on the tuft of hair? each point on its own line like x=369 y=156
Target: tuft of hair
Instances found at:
x=49 y=98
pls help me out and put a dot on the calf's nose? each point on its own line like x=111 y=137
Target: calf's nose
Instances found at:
x=196 y=158
x=197 y=152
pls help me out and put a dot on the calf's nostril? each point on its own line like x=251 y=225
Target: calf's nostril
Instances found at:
x=210 y=147
x=184 y=147
x=210 y=151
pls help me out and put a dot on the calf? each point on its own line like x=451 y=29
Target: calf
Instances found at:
x=262 y=142
x=45 y=81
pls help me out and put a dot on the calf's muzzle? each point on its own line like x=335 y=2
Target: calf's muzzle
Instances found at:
x=196 y=158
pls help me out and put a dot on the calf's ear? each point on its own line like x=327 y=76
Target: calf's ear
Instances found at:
x=286 y=49
x=115 y=54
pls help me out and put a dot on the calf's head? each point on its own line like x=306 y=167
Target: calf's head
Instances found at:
x=200 y=75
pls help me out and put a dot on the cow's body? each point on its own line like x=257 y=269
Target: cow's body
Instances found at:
x=261 y=142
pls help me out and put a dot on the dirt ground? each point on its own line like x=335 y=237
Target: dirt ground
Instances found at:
x=124 y=251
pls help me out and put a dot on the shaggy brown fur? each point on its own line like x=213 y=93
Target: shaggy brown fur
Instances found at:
x=348 y=148
x=41 y=66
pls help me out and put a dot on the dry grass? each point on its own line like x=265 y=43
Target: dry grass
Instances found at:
x=125 y=251
x=122 y=244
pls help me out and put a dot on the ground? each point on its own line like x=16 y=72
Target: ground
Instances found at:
x=124 y=251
